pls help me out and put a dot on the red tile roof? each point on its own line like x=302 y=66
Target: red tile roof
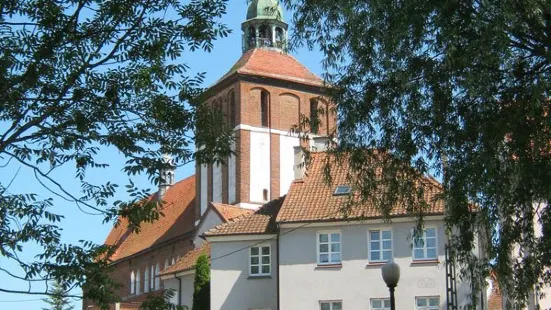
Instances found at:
x=187 y=262
x=273 y=64
x=262 y=221
x=228 y=212
x=311 y=199
x=178 y=220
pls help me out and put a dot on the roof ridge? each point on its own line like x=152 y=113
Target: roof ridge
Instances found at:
x=231 y=206
x=228 y=222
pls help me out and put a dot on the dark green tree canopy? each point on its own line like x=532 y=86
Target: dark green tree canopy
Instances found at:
x=201 y=284
x=460 y=90
x=81 y=76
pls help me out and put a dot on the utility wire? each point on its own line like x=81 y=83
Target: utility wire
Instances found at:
x=272 y=238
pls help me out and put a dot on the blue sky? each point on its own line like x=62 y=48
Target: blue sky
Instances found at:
x=78 y=225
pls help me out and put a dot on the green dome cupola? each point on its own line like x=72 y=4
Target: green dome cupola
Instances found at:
x=264 y=26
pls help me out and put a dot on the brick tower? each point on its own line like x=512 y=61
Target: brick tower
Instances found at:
x=263 y=96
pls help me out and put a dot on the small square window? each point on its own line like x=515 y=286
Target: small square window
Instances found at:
x=330 y=305
x=380 y=304
x=259 y=261
x=427 y=303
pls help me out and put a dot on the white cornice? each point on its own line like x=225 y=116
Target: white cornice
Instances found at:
x=428 y=218
x=241 y=237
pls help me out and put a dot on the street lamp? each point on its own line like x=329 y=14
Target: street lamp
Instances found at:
x=391 y=276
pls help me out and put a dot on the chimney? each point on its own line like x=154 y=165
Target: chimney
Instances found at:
x=166 y=177
x=319 y=144
x=299 y=163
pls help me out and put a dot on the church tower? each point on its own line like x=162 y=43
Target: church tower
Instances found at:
x=263 y=96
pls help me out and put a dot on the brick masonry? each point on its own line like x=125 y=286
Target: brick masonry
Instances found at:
x=286 y=104
x=141 y=261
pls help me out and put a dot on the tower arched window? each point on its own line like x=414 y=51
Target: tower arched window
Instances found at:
x=232 y=110
x=170 y=178
x=265 y=36
x=252 y=36
x=314 y=117
x=279 y=37
x=264 y=108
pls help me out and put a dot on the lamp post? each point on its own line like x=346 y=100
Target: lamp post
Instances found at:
x=391 y=276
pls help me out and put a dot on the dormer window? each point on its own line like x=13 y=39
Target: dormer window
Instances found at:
x=342 y=190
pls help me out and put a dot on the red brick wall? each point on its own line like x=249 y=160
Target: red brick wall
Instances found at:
x=123 y=268
x=285 y=106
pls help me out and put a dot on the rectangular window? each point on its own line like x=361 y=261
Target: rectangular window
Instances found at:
x=329 y=248
x=427 y=303
x=259 y=261
x=424 y=246
x=132 y=283
x=146 y=280
x=380 y=304
x=264 y=106
x=380 y=245
x=330 y=305
x=314 y=118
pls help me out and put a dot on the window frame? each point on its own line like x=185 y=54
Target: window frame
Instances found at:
x=330 y=302
x=314 y=116
x=157 y=278
x=264 y=108
x=425 y=248
x=132 y=282
x=428 y=307
x=138 y=282
x=383 y=303
x=380 y=230
x=318 y=253
x=260 y=264
x=146 y=280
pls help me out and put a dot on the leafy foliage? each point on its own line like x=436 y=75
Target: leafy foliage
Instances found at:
x=458 y=89
x=201 y=284
x=57 y=299
x=81 y=76
x=156 y=302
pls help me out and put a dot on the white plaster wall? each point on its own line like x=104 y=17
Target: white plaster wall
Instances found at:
x=260 y=166
x=231 y=287
x=209 y=220
x=204 y=188
x=187 y=290
x=172 y=284
x=286 y=162
x=217 y=183
x=303 y=284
